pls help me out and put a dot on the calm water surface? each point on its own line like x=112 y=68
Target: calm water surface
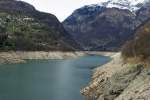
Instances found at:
x=47 y=79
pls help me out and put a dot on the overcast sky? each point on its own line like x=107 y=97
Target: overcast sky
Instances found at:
x=60 y=8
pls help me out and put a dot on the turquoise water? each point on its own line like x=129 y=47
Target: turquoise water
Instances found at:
x=47 y=79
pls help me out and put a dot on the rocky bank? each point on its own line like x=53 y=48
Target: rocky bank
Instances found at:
x=119 y=81
x=22 y=56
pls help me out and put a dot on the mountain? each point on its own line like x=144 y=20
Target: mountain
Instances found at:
x=108 y=25
x=101 y=28
x=22 y=27
x=131 y=5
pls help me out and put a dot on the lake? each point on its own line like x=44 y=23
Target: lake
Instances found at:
x=47 y=79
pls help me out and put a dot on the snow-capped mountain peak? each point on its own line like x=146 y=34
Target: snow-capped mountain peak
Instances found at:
x=132 y=5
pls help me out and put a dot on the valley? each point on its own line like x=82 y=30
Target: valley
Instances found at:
x=42 y=58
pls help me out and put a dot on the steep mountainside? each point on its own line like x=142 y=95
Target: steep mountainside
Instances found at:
x=22 y=27
x=139 y=45
x=103 y=27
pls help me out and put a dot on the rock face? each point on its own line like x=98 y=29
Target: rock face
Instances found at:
x=118 y=81
x=24 y=28
x=98 y=27
x=101 y=28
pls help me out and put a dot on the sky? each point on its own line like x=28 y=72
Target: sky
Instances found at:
x=60 y=8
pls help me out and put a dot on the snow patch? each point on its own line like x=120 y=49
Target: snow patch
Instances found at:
x=132 y=5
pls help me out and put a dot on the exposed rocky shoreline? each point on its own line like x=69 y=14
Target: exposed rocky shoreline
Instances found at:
x=119 y=81
x=21 y=57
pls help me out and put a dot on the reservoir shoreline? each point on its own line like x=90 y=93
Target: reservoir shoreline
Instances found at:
x=117 y=80
x=13 y=57
x=52 y=79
